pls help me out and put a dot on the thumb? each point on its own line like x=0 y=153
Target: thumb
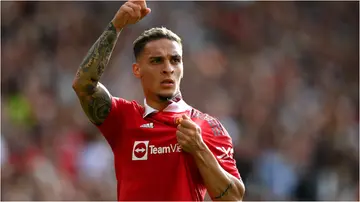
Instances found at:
x=184 y=116
x=145 y=12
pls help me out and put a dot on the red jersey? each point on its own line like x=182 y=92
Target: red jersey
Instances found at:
x=149 y=164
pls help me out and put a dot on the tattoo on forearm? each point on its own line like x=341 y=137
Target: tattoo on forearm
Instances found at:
x=94 y=98
x=98 y=56
x=225 y=192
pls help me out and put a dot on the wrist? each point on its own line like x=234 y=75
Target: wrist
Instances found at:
x=118 y=27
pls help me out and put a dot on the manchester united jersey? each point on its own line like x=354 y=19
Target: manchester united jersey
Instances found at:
x=149 y=163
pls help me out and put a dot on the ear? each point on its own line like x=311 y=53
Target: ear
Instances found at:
x=136 y=70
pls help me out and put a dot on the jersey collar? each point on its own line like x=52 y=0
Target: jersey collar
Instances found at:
x=176 y=105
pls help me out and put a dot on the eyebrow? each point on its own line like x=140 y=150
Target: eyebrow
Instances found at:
x=176 y=55
x=155 y=57
x=160 y=56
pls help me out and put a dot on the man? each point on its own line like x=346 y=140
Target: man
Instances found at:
x=166 y=150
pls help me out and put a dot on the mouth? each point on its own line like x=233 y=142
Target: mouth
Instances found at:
x=168 y=83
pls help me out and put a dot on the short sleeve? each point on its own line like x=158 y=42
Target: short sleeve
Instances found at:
x=110 y=127
x=220 y=144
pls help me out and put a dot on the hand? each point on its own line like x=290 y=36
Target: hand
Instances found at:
x=130 y=13
x=188 y=135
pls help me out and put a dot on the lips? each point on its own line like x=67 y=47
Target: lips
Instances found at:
x=168 y=81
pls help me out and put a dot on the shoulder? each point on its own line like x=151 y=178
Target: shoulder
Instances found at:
x=126 y=106
x=197 y=114
x=122 y=111
x=209 y=124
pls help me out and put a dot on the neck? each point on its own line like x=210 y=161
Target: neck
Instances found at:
x=160 y=104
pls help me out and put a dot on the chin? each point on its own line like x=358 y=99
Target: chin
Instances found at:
x=166 y=95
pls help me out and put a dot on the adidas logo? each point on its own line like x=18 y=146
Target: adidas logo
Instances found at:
x=147 y=125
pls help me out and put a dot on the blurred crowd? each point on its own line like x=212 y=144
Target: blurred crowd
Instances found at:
x=282 y=77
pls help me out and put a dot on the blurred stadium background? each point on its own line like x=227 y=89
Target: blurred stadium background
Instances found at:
x=281 y=76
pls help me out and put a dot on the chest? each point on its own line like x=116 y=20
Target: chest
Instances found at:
x=150 y=140
x=149 y=148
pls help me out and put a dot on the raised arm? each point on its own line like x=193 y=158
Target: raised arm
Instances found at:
x=94 y=97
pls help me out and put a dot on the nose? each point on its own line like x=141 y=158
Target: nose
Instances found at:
x=168 y=68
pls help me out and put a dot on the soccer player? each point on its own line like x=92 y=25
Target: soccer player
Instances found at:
x=164 y=150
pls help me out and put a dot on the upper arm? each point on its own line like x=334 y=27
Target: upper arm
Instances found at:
x=220 y=143
x=107 y=112
x=97 y=104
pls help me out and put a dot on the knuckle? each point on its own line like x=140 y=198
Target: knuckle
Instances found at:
x=134 y=4
x=137 y=7
x=197 y=129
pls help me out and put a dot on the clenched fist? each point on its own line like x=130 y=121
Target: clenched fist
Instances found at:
x=188 y=135
x=130 y=13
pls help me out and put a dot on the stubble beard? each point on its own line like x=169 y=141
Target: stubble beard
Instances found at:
x=168 y=98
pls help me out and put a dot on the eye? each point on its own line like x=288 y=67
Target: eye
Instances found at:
x=175 y=60
x=156 y=60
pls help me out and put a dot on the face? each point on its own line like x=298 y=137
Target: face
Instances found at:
x=160 y=69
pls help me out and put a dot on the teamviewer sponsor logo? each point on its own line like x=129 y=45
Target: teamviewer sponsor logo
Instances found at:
x=140 y=150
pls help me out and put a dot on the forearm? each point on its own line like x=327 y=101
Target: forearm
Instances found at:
x=220 y=184
x=94 y=97
x=96 y=60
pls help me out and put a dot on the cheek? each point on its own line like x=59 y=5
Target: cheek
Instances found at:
x=179 y=73
x=150 y=78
